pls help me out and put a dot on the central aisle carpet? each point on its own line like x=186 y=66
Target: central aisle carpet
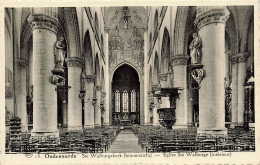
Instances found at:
x=126 y=142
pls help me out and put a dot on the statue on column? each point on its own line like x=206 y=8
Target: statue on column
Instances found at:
x=195 y=49
x=170 y=77
x=82 y=80
x=59 y=53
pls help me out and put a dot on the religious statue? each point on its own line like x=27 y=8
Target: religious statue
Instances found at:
x=195 y=49
x=82 y=80
x=170 y=77
x=59 y=53
x=225 y=83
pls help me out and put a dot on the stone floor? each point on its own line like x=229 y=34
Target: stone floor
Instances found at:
x=126 y=142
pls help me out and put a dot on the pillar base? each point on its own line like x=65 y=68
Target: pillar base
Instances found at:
x=252 y=125
x=156 y=125
x=179 y=126
x=97 y=125
x=45 y=133
x=106 y=124
x=74 y=128
x=89 y=126
x=213 y=131
x=233 y=125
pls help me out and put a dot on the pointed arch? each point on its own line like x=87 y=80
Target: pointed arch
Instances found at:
x=165 y=52
x=97 y=70
x=232 y=34
x=96 y=22
x=245 y=29
x=155 y=20
x=150 y=79
x=184 y=27
x=69 y=20
x=102 y=77
x=156 y=69
x=87 y=52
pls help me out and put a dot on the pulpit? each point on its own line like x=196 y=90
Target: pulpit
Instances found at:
x=167 y=113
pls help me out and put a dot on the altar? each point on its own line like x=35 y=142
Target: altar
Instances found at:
x=125 y=122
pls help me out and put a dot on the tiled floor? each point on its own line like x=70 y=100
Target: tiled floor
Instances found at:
x=126 y=142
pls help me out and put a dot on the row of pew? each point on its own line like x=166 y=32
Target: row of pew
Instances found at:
x=92 y=140
x=158 y=139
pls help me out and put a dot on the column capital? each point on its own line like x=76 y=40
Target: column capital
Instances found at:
x=242 y=57
x=98 y=88
x=43 y=22
x=21 y=63
x=162 y=77
x=234 y=59
x=156 y=87
x=179 y=59
x=103 y=94
x=106 y=29
x=74 y=62
x=90 y=78
x=211 y=14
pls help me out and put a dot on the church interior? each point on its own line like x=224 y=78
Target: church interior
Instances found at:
x=166 y=78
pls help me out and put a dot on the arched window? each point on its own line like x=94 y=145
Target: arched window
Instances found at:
x=125 y=101
x=133 y=101
x=117 y=101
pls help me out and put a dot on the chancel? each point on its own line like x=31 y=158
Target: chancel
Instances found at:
x=129 y=79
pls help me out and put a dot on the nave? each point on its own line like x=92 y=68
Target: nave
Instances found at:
x=180 y=77
x=126 y=142
x=135 y=139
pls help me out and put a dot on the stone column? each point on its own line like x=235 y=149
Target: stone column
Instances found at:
x=146 y=81
x=155 y=114
x=107 y=83
x=74 y=65
x=44 y=27
x=211 y=25
x=65 y=114
x=234 y=91
x=106 y=113
x=241 y=80
x=97 y=106
x=190 y=106
x=156 y=105
x=21 y=94
x=148 y=114
x=227 y=54
x=89 y=103
x=179 y=63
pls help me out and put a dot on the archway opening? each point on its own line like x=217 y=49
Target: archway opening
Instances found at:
x=125 y=96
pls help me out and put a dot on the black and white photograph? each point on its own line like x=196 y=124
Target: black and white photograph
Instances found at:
x=130 y=81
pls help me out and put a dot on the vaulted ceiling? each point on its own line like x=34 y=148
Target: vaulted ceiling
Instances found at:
x=137 y=16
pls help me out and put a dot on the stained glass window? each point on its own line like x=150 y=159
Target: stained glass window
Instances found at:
x=117 y=101
x=133 y=101
x=125 y=101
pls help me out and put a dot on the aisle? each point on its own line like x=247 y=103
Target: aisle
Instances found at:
x=126 y=142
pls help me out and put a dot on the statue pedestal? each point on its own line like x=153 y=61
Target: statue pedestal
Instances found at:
x=58 y=71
